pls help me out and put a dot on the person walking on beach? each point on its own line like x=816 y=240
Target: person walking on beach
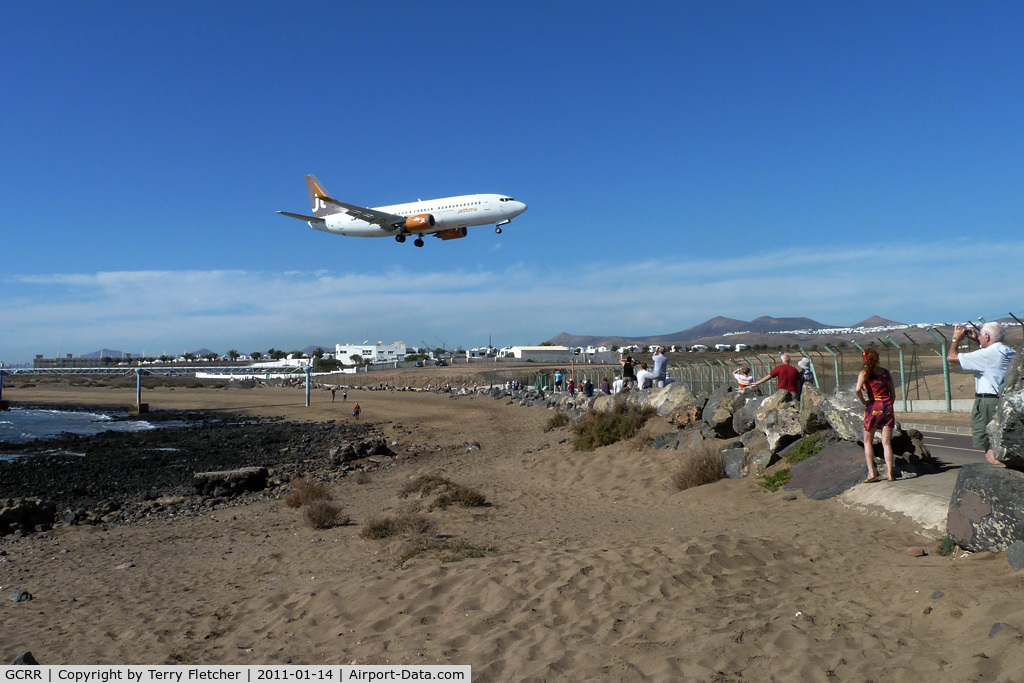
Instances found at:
x=333 y=389
x=876 y=383
x=990 y=364
x=355 y=411
x=344 y=395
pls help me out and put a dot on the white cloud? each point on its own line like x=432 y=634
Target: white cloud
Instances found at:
x=154 y=311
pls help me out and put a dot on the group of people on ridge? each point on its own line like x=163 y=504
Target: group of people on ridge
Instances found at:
x=877 y=392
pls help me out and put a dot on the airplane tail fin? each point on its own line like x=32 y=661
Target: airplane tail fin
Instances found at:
x=317 y=195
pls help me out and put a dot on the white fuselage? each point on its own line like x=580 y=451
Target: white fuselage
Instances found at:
x=448 y=212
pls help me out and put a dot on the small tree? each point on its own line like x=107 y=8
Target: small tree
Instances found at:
x=188 y=356
x=256 y=355
x=233 y=354
x=319 y=353
x=356 y=359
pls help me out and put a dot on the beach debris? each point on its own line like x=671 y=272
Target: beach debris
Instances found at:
x=125 y=565
x=24 y=658
x=915 y=551
x=26 y=514
x=472 y=446
x=20 y=596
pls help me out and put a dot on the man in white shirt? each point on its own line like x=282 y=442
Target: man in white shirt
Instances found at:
x=645 y=379
x=990 y=364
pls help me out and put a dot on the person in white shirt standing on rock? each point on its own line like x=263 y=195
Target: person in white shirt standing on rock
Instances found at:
x=990 y=364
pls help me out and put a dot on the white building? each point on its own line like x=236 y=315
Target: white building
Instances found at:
x=741 y=347
x=542 y=353
x=372 y=353
x=698 y=348
x=723 y=347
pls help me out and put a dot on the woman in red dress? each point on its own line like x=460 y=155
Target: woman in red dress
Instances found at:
x=875 y=390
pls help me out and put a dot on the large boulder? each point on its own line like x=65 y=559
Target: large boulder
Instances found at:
x=1006 y=431
x=812 y=419
x=347 y=451
x=677 y=403
x=713 y=400
x=836 y=468
x=757 y=453
x=744 y=418
x=986 y=511
x=229 y=483
x=778 y=417
x=721 y=417
x=845 y=414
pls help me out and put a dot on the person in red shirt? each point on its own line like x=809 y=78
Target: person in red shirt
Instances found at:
x=788 y=376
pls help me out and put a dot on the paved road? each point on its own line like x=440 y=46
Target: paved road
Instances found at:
x=952 y=449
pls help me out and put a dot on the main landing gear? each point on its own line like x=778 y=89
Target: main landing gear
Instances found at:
x=399 y=238
x=418 y=242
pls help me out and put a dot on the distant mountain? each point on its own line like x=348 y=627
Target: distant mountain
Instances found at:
x=310 y=350
x=106 y=353
x=876 y=321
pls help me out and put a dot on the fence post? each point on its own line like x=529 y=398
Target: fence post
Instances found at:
x=945 y=367
x=835 y=359
x=903 y=381
x=711 y=371
x=768 y=364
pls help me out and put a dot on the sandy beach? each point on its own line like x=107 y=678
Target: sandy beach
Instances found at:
x=590 y=567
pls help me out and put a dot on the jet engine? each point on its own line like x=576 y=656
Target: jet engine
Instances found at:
x=420 y=222
x=452 y=233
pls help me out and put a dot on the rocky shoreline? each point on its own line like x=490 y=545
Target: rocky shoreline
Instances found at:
x=128 y=477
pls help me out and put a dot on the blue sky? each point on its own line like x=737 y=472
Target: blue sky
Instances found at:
x=680 y=161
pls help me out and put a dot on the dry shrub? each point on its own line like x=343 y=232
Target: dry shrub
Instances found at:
x=323 y=514
x=361 y=477
x=557 y=420
x=424 y=485
x=460 y=495
x=598 y=429
x=449 y=493
x=386 y=527
x=305 y=492
x=701 y=465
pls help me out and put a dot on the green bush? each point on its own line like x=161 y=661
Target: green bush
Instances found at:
x=947 y=546
x=776 y=481
x=598 y=429
x=807 y=448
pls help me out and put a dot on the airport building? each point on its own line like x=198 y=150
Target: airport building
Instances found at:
x=373 y=353
x=543 y=354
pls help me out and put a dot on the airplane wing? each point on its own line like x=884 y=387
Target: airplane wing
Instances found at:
x=388 y=221
x=301 y=217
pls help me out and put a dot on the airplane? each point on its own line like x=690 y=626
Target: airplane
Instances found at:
x=447 y=218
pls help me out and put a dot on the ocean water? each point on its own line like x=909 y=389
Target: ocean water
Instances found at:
x=21 y=425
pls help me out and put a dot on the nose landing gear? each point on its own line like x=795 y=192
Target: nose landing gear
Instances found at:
x=497 y=230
